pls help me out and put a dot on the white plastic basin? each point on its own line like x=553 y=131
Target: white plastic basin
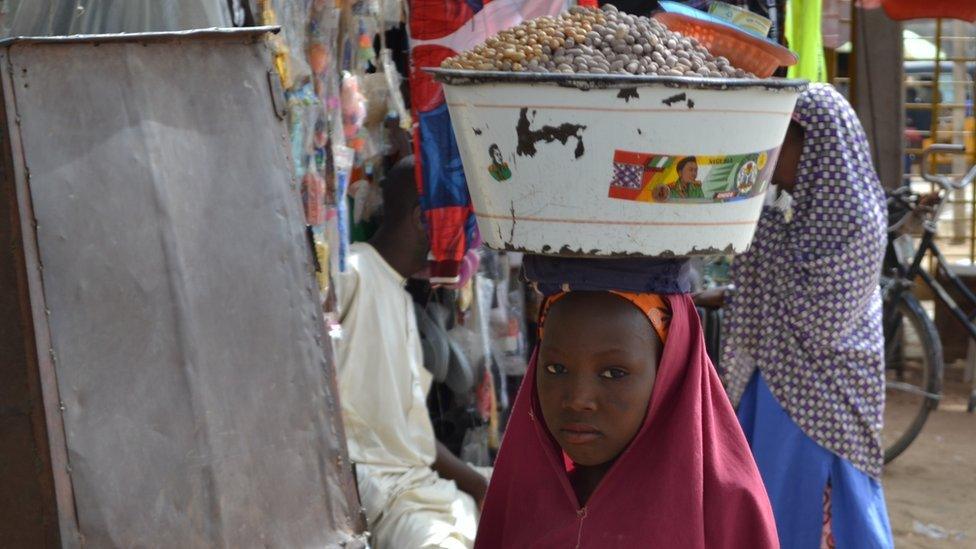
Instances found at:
x=562 y=164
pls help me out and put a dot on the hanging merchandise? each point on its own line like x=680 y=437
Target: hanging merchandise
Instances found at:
x=353 y=111
x=393 y=81
x=440 y=29
x=323 y=35
x=353 y=115
x=337 y=112
x=366 y=55
x=486 y=281
x=365 y=201
x=471 y=336
x=321 y=246
x=362 y=24
x=475 y=446
x=508 y=321
x=368 y=198
x=378 y=108
x=303 y=58
x=470 y=263
x=803 y=33
x=902 y=10
x=287 y=44
x=333 y=155
x=313 y=195
x=302 y=111
x=343 y=158
x=332 y=236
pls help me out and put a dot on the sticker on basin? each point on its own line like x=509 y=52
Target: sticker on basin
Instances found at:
x=499 y=169
x=645 y=177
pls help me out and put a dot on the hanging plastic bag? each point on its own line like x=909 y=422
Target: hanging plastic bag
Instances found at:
x=322 y=263
x=343 y=159
x=313 y=195
x=508 y=324
x=391 y=13
x=474 y=448
x=393 y=83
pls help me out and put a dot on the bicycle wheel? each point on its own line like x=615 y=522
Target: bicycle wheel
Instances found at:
x=913 y=372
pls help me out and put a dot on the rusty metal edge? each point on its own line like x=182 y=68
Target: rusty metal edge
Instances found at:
x=215 y=32
x=458 y=77
x=38 y=423
x=567 y=252
x=348 y=482
x=43 y=350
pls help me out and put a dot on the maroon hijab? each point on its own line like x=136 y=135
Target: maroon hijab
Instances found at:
x=687 y=480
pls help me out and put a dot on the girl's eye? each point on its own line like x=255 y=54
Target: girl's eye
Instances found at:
x=556 y=369
x=613 y=373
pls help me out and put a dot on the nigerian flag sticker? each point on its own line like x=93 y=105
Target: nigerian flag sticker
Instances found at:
x=692 y=179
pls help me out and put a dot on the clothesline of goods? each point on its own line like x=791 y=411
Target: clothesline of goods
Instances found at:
x=347 y=115
x=341 y=96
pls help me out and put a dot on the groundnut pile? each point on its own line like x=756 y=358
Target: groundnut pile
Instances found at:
x=595 y=41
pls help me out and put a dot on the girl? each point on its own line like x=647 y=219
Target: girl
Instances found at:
x=804 y=347
x=621 y=435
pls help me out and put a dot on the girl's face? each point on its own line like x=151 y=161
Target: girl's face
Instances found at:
x=784 y=175
x=596 y=368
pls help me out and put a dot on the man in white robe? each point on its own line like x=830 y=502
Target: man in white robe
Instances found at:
x=415 y=492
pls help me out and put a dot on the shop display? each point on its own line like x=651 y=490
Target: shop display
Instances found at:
x=337 y=112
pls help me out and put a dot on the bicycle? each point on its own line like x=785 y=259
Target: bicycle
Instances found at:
x=913 y=351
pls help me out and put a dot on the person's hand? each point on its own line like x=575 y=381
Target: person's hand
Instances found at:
x=929 y=200
x=467 y=479
x=713 y=298
x=478 y=491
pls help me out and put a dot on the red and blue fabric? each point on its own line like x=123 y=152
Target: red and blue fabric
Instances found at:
x=440 y=29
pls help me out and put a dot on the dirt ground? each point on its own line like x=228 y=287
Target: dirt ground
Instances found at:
x=931 y=487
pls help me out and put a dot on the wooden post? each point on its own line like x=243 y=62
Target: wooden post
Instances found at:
x=878 y=95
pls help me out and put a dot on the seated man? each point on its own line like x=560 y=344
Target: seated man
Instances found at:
x=415 y=492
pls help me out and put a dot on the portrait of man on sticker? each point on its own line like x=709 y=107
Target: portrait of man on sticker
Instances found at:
x=499 y=168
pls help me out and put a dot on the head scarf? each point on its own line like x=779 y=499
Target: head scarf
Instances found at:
x=687 y=479
x=652 y=305
x=807 y=312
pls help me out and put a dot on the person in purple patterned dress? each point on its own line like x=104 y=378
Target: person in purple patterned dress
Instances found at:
x=803 y=352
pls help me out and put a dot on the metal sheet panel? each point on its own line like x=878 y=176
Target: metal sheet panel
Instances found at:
x=59 y=17
x=197 y=396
